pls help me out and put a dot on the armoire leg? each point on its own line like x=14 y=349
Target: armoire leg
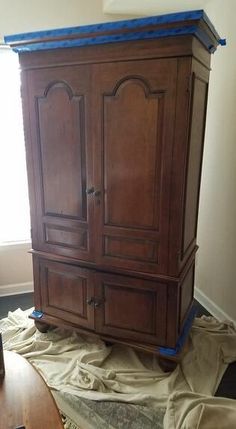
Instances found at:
x=41 y=326
x=167 y=365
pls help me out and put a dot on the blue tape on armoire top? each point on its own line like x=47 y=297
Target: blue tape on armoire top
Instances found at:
x=76 y=36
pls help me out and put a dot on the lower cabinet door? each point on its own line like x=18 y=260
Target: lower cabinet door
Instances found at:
x=66 y=292
x=130 y=309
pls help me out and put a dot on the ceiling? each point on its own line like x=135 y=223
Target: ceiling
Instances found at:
x=148 y=7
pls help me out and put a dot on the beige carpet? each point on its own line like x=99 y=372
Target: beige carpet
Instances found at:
x=78 y=365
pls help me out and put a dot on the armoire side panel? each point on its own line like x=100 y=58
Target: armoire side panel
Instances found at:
x=194 y=163
x=186 y=294
x=192 y=86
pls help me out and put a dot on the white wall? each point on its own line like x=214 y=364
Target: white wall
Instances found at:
x=152 y=7
x=216 y=261
x=20 y=16
x=15 y=269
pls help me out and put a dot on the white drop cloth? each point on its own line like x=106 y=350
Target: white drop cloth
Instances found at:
x=86 y=367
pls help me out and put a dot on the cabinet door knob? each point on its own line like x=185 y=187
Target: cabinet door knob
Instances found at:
x=90 y=190
x=90 y=301
x=98 y=302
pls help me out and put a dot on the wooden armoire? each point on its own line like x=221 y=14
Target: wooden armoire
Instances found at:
x=114 y=118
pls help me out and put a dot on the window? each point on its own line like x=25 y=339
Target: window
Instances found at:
x=14 y=211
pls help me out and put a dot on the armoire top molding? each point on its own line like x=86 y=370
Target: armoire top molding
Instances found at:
x=194 y=23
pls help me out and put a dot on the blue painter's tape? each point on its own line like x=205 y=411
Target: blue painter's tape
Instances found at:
x=180 y=343
x=109 y=26
x=37 y=314
x=222 y=42
x=40 y=40
x=100 y=40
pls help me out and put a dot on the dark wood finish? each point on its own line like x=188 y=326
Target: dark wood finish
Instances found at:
x=114 y=139
x=69 y=295
x=110 y=269
x=67 y=292
x=194 y=162
x=168 y=47
x=133 y=162
x=63 y=169
x=25 y=398
x=187 y=161
x=130 y=308
x=179 y=304
x=186 y=294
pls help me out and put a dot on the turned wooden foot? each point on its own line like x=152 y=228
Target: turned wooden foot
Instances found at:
x=41 y=326
x=167 y=365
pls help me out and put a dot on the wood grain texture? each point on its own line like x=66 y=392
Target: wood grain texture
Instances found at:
x=192 y=86
x=60 y=149
x=131 y=308
x=168 y=47
x=134 y=135
x=25 y=398
x=186 y=294
x=66 y=292
x=194 y=163
x=114 y=138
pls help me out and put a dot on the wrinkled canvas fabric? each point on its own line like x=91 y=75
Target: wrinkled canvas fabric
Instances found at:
x=194 y=411
x=86 y=367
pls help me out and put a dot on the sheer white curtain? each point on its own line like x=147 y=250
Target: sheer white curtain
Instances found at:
x=14 y=208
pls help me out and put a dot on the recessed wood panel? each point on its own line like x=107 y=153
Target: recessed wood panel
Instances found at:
x=193 y=169
x=65 y=290
x=131 y=308
x=133 y=163
x=59 y=235
x=134 y=249
x=132 y=150
x=62 y=161
x=61 y=135
x=130 y=298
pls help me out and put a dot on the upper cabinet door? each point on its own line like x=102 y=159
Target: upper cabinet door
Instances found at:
x=135 y=104
x=58 y=148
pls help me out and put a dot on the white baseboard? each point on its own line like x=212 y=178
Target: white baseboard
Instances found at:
x=210 y=306
x=16 y=289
